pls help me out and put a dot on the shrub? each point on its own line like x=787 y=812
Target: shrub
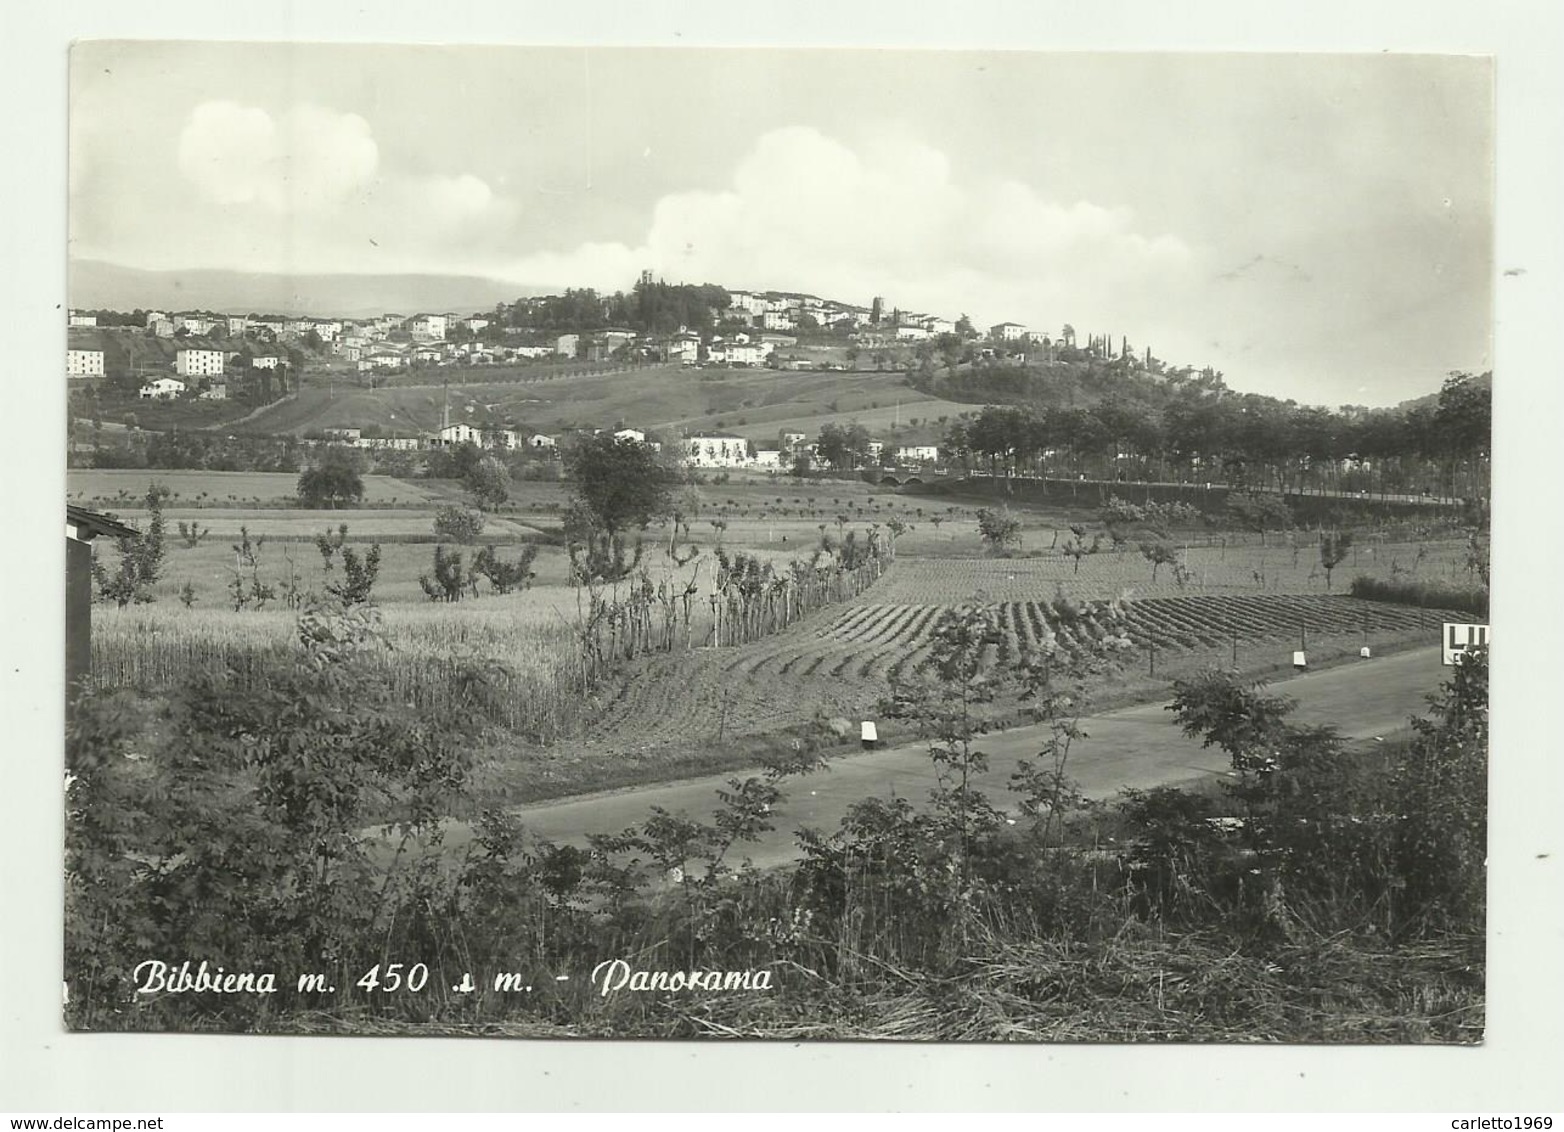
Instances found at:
x=506 y=576
x=449 y=583
x=229 y=828
x=459 y=524
x=999 y=528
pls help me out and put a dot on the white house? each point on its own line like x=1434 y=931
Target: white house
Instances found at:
x=685 y=347
x=533 y=351
x=768 y=458
x=1007 y=331
x=459 y=434
x=634 y=434
x=405 y=443
x=198 y=363
x=427 y=326
x=77 y=318
x=266 y=361
x=162 y=389
x=937 y=326
x=538 y=440
x=716 y=451
x=918 y=453
x=84 y=363
x=194 y=323
x=567 y=345
x=778 y=320
x=161 y=327
x=237 y=324
x=475 y=324
x=385 y=358
x=745 y=353
x=746 y=305
x=912 y=333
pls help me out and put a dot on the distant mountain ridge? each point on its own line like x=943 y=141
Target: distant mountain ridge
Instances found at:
x=95 y=284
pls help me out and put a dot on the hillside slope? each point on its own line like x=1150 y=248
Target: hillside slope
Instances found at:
x=753 y=403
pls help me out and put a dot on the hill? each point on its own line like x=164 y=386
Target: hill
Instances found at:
x=93 y=284
x=753 y=403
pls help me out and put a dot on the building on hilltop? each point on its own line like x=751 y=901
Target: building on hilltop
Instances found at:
x=1007 y=331
x=83 y=363
x=196 y=362
x=428 y=326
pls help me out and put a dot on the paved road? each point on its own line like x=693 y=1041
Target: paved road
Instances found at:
x=1133 y=747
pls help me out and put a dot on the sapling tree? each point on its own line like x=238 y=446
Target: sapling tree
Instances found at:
x=449 y=582
x=1334 y=547
x=140 y=557
x=1078 y=548
x=1159 y=552
x=998 y=527
x=1055 y=678
x=503 y=575
x=947 y=699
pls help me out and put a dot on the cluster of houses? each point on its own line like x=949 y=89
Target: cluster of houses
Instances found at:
x=716 y=451
x=769 y=321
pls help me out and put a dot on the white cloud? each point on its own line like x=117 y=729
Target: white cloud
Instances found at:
x=895 y=219
x=310 y=159
x=307 y=190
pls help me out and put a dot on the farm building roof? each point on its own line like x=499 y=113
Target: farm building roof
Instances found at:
x=92 y=524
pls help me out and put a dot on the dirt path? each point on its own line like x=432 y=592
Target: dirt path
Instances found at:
x=1137 y=747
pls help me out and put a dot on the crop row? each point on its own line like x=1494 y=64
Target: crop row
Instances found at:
x=1171 y=622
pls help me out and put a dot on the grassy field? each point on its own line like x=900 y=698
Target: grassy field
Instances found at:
x=754 y=403
x=126 y=487
x=1236 y=600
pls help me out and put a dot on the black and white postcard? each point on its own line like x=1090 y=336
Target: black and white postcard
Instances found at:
x=812 y=544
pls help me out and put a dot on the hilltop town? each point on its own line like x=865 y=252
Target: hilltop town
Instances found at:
x=246 y=362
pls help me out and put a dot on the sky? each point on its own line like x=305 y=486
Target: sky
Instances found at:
x=1317 y=227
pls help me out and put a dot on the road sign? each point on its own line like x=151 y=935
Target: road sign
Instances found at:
x=1459 y=638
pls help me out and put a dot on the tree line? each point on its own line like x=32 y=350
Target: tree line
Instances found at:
x=1180 y=431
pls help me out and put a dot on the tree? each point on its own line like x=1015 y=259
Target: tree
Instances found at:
x=449 y=582
x=1333 y=550
x=999 y=528
x=140 y=557
x=1260 y=512
x=459 y=524
x=506 y=576
x=333 y=482
x=621 y=483
x=621 y=486
x=843 y=448
x=1159 y=552
x=489 y=482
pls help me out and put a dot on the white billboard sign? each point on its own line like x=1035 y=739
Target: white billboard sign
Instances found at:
x=1458 y=638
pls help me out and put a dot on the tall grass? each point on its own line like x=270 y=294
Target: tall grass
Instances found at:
x=520 y=658
x=1427 y=594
